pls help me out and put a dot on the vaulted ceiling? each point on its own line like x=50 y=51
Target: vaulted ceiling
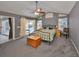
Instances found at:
x=26 y=7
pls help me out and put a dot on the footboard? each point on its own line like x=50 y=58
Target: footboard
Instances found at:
x=44 y=35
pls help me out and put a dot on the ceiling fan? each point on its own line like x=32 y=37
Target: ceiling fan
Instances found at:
x=37 y=11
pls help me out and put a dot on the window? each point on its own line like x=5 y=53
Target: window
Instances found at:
x=30 y=26
x=39 y=24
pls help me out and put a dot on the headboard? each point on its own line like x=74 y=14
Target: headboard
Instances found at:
x=49 y=26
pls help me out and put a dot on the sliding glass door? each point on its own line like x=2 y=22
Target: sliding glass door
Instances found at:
x=62 y=23
x=5 y=27
x=32 y=25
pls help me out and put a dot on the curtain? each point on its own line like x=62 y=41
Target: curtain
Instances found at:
x=10 y=31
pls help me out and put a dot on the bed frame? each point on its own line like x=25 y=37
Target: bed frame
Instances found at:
x=46 y=36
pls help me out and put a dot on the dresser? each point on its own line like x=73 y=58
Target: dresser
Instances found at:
x=33 y=41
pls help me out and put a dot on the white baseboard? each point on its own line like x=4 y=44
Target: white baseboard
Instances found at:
x=75 y=46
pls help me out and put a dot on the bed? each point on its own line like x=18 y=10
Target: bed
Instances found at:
x=46 y=34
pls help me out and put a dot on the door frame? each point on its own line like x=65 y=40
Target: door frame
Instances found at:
x=13 y=27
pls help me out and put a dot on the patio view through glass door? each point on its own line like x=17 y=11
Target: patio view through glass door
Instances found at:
x=5 y=27
x=62 y=23
x=4 y=33
x=30 y=26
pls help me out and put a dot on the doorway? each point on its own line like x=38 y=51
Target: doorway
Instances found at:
x=5 y=29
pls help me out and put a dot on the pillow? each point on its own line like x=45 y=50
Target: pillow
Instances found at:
x=50 y=27
x=44 y=27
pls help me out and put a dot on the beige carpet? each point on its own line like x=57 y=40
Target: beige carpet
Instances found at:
x=18 y=48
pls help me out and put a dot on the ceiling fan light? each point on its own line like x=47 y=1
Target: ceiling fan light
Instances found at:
x=39 y=9
x=36 y=13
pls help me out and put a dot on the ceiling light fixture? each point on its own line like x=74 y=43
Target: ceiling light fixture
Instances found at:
x=38 y=11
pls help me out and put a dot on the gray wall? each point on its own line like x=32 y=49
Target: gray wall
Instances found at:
x=0 y=25
x=74 y=24
x=50 y=21
x=17 y=23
